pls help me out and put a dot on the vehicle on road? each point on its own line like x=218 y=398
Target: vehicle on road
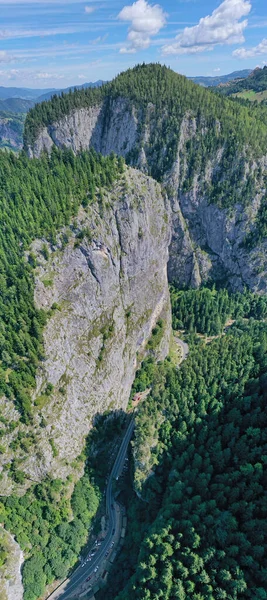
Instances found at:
x=88 y=578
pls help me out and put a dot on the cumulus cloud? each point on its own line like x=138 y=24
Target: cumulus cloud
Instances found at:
x=146 y=21
x=223 y=26
x=261 y=48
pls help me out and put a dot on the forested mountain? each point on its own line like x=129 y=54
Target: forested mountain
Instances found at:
x=71 y=328
x=252 y=87
x=85 y=244
x=209 y=152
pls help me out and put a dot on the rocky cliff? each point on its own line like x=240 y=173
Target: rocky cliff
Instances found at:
x=10 y=575
x=106 y=288
x=208 y=238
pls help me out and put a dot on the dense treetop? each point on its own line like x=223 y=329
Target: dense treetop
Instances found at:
x=207 y=310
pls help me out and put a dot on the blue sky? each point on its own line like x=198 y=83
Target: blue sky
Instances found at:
x=60 y=42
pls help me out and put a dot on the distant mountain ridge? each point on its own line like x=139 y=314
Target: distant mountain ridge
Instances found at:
x=220 y=79
x=25 y=93
x=37 y=95
x=16 y=102
x=50 y=93
x=16 y=105
x=253 y=87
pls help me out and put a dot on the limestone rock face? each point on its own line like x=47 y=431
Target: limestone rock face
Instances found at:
x=207 y=241
x=10 y=574
x=108 y=291
x=89 y=127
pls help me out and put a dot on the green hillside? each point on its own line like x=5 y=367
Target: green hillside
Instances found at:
x=253 y=87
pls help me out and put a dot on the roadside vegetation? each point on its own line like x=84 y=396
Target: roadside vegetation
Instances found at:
x=200 y=531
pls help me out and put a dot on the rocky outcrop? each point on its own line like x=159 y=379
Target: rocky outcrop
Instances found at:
x=108 y=127
x=106 y=289
x=10 y=573
x=207 y=241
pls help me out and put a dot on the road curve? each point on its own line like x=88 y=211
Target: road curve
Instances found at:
x=184 y=347
x=67 y=589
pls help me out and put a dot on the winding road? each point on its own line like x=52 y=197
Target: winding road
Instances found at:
x=69 y=588
x=184 y=347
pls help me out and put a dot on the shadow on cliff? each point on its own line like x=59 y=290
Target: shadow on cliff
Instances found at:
x=102 y=444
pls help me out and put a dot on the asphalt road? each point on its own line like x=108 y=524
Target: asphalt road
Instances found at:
x=184 y=347
x=70 y=587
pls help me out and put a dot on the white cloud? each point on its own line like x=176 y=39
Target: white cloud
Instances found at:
x=89 y=9
x=33 y=75
x=15 y=33
x=100 y=38
x=146 y=21
x=261 y=48
x=43 y=75
x=5 y=57
x=223 y=26
x=216 y=70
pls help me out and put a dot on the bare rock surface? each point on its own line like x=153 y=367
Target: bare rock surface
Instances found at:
x=105 y=289
x=10 y=573
x=207 y=241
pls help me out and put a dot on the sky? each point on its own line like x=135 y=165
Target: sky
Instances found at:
x=57 y=43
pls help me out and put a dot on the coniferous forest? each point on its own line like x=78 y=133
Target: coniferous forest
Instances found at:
x=198 y=528
x=196 y=492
